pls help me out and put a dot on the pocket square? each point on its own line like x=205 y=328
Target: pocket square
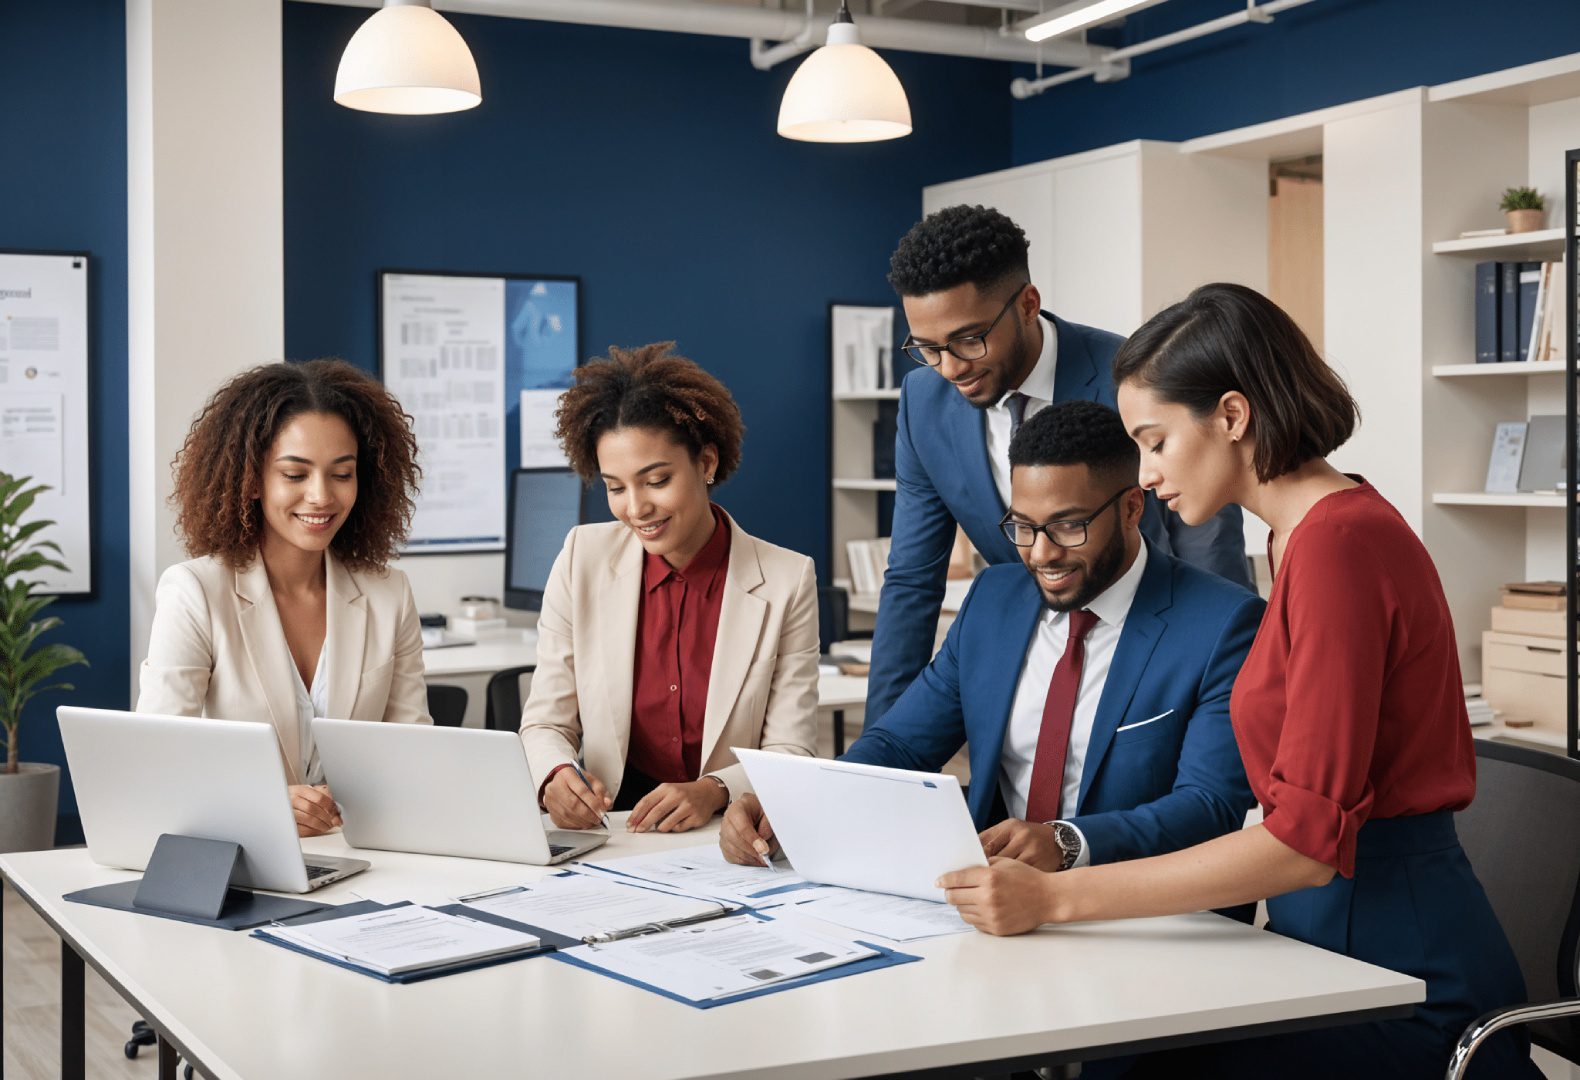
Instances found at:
x=1143 y=723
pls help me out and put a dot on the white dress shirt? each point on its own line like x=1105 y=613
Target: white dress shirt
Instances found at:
x=311 y=703
x=1038 y=387
x=1036 y=673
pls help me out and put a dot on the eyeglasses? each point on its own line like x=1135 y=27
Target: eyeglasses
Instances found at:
x=1065 y=534
x=969 y=347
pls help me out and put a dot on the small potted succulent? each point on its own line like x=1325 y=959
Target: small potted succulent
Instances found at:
x=1524 y=207
x=28 y=791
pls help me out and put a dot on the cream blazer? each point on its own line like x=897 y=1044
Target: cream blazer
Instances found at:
x=217 y=650
x=762 y=691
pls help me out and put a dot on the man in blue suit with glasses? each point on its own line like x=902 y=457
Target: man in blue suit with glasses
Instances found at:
x=996 y=360
x=1089 y=681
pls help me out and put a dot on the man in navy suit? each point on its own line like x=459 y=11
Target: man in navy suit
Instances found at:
x=996 y=360
x=1089 y=681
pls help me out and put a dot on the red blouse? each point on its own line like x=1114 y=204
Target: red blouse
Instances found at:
x=676 y=626
x=1350 y=705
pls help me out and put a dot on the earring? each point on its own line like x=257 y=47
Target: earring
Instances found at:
x=710 y=479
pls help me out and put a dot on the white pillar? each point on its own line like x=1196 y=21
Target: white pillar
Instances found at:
x=205 y=222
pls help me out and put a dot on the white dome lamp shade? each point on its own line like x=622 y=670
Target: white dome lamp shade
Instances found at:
x=407 y=59
x=844 y=93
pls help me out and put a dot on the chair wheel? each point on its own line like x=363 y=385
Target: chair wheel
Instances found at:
x=131 y=1049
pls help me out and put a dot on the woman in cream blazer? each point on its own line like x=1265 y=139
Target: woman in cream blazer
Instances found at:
x=292 y=490
x=659 y=431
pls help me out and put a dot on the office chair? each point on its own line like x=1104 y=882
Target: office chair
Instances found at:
x=446 y=704
x=504 y=699
x=1520 y=838
x=833 y=617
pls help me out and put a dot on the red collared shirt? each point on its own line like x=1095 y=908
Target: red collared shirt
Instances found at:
x=676 y=626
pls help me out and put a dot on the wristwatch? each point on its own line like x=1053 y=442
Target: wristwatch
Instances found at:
x=1069 y=841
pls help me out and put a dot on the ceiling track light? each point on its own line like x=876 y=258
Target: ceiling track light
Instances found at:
x=1073 y=17
x=407 y=59
x=844 y=93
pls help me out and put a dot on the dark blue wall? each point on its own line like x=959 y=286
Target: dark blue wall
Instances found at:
x=646 y=164
x=63 y=187
x=1325 y=53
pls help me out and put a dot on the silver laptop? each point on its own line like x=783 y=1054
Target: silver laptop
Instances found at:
x=139 y=775
x=440 y=791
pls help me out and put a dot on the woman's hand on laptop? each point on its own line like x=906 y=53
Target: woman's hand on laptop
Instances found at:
x=575 y=805
x=315 y=809
x=678 y=807
x=745 y=837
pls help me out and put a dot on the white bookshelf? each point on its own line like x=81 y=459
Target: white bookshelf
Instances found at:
x=869 y=395
x=1514 y=247
x=1520 y=369
x=854 y=491
x=1532 y=500
x=848 y=484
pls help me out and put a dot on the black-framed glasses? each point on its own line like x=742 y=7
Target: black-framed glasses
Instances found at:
x=968 y=347
x=1066 y=534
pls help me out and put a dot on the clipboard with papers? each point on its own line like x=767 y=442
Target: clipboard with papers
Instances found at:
x=592 y=909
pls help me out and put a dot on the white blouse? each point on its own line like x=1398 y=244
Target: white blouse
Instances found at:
x=311 y=703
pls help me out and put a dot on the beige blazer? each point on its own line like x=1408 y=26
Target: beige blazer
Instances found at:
x=762 y=691
x=217 y=650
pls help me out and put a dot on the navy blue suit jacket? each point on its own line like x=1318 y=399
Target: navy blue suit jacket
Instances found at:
x=1171 y=778
x=943 y=477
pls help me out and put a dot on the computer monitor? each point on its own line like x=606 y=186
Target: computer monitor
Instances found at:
x=544 y=505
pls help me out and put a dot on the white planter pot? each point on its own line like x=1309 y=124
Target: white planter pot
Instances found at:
x=28 y=800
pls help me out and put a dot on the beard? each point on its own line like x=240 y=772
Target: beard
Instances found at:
x=1018 y=363
x=1102 y=572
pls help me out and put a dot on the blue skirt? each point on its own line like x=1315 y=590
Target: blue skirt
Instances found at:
x=1413 y=906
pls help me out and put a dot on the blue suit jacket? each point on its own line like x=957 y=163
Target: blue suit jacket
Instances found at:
x=943 y=477
x=1172 y=779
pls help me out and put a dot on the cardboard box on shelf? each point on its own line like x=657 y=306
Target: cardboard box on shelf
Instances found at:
x=1534 y=623
x=1522 y=677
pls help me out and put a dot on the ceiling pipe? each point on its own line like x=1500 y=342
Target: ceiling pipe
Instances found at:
x=728 y=20
x=765 y=57
x=1116 y=65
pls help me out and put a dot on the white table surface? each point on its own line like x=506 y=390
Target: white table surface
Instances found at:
x=245 y=1008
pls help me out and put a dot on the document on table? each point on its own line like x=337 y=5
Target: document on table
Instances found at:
x=721 y=958
x=898 y=918
x=703 y=871
x=404 y=938
x=586 y=905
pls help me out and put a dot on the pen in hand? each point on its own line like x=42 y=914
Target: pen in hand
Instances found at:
x=588 y=786
x=762 y=853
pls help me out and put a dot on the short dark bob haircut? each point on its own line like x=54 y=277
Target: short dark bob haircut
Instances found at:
x=1078 y=433
x=648 y=387
x=219 y=471
x=1224 y=338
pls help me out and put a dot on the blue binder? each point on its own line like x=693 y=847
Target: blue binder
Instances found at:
x=1509 y=312
x=1487 y=309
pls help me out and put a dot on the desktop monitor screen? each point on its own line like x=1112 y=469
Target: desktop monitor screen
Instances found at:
x=545 y=504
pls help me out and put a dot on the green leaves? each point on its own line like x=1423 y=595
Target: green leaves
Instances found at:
x=25 y=664
x=1521 y=198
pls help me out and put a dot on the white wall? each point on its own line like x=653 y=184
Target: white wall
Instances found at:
x=205 y=215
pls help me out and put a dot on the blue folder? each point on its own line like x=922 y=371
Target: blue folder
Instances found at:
x=550 y=942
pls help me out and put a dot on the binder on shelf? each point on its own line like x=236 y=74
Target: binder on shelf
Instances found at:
x=1530 y=274
x=1508 y=312
x=1487 y=308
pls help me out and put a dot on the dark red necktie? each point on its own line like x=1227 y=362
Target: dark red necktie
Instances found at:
x=1058 y=711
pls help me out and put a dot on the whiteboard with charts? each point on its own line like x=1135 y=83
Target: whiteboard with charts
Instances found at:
x=44 y=426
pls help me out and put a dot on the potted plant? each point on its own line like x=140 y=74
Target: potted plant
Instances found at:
x=28 y=792
x=1524 y=208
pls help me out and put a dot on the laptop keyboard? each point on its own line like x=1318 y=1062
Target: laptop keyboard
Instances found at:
x=316 y=872
x=558 y=849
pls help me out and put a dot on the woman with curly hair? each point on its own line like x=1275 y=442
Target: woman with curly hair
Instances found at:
x=669 y=635
x=292 y=491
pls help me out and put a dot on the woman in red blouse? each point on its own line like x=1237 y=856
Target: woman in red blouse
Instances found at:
x=669 y=635
x=1349 y=711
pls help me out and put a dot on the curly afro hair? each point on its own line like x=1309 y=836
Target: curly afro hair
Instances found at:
x=959 y=244
x=1078 y=433
x=648 y=387
x=219 y=471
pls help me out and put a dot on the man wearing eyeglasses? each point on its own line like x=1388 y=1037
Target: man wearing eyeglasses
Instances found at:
x=1089 y=682
x=996 y=360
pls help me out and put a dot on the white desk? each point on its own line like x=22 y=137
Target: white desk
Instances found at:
x=470 y=666
x=241 y=1008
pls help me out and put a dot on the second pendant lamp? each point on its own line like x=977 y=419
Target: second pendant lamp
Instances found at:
x=844 y=93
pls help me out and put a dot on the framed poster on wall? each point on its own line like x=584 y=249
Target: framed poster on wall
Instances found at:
x=44 y=402
x=479 y=361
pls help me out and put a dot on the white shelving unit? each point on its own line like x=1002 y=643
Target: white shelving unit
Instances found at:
x=846 y=484
x=1513 y=247
x=1529 y=499
x=1479 y=371
x=854 y=491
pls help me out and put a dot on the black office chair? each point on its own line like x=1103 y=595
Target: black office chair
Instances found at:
x=504 y=699
x=1519 y=834
x=446 y=704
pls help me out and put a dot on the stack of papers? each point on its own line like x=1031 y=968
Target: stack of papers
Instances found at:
x=898 y=918
x=591 y=907
x=402 y=940
x=702 y=871
x=1479 y=711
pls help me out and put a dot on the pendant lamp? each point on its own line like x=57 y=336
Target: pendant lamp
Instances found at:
x=407 y=59
x=844 y=93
